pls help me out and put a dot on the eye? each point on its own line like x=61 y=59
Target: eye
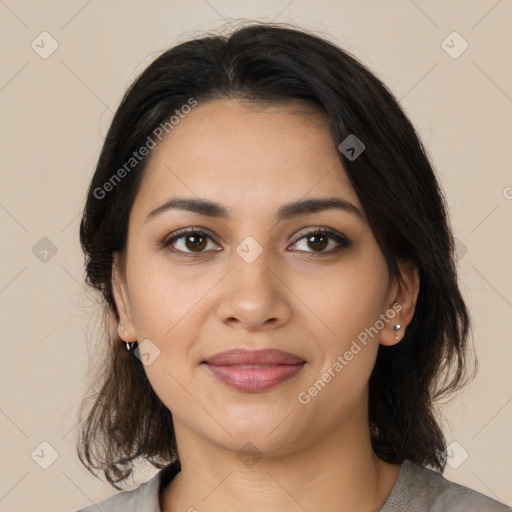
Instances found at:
x=319 y=239
x=192 y=240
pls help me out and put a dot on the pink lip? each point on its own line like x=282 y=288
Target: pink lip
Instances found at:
x=236 y=368
x=254 y=379
x=243 y=356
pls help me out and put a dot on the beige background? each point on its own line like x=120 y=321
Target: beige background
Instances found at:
x=55 y=113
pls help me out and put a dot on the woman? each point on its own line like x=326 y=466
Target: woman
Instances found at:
x=273 y=250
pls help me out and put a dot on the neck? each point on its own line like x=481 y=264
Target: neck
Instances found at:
x=336 y=472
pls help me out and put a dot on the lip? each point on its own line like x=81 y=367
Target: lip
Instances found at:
x=254 y=371
x=241 y=356
x=254 y=379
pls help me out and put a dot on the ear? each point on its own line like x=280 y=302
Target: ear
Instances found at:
x=122 y=302
x=403 y=297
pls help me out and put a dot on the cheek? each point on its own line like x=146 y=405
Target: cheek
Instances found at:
x=349 y=305
x=349 y=302
x=167 y=309
x=346 y=352
x=164 y=296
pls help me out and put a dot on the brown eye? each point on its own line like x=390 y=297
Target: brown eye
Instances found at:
x=318 y=240
x=188 y=241
x=195 y=242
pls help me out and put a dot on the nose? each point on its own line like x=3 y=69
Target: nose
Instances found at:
x=254 y=297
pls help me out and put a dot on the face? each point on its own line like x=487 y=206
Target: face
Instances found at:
x=255 y=278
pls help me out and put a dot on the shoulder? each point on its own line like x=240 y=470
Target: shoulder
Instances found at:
x=144 y=497
x=419 y=489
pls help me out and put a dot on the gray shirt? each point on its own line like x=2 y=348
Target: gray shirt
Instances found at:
x=417 y=489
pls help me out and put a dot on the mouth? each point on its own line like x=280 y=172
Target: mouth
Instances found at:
x=254 y=371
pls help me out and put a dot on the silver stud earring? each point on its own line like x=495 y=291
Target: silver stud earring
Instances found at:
x=397 y=327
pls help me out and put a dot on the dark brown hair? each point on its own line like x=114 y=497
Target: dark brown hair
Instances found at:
x=396 y=185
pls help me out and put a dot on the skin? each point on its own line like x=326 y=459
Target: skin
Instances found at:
x=310 y=300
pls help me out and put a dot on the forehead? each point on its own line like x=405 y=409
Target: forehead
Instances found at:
x=246 y=155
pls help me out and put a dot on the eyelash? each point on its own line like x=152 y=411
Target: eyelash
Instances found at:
x=343 y=241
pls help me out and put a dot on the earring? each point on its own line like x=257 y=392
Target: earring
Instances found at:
x=397 y=327
x=131 y=346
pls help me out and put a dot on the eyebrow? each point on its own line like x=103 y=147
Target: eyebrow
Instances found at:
x=286 y=212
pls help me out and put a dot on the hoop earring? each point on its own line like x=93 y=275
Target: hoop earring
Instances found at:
x=130 y=346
